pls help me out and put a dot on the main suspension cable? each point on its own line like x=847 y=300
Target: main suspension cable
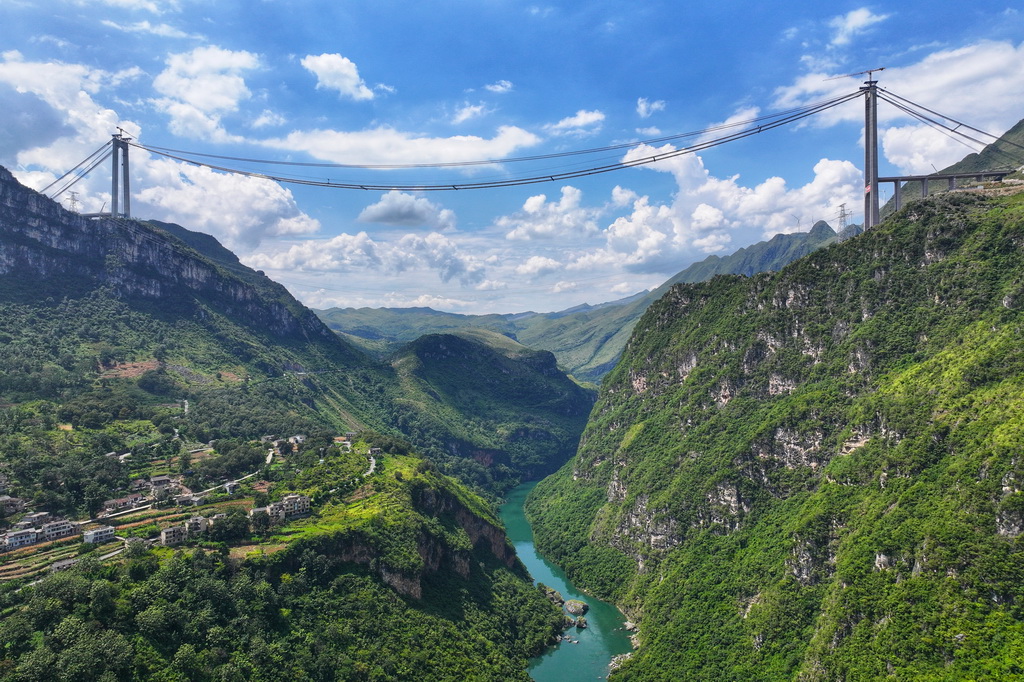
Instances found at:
x=775 y=122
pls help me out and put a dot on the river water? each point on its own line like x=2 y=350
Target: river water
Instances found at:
x=603 y=638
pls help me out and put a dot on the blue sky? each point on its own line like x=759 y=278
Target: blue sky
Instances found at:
x=388 y=82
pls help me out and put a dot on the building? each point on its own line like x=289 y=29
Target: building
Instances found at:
x=297 y=439
x=189 y=500
x=294 y=505
x=196 y=524
x=274 y=511
x=230 y=487
x=62 y=565
x=158 y=482
x=123 y=502
x=173 y=535
x=11 y=505
x=98 y=536
x=21 y=538
x=56 y=530
x=37 y=518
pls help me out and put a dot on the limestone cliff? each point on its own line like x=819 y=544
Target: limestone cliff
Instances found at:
x=813 y=473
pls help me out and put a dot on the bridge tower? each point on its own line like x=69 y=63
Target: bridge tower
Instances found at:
x=870 y=91
x=119 y=142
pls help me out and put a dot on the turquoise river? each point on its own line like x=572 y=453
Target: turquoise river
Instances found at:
x=604 y=637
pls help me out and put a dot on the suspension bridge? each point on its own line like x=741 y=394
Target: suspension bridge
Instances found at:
x=118 y=146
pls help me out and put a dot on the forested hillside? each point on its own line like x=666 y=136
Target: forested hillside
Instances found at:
x=85 y=302
x=586 y=340
x=816 y=474
x=136 y=358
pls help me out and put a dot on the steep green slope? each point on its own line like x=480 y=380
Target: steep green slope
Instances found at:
x=816 y=474
x=124 y=348
x=82 y=300
x=489 y=409
x=586 y=340
x=384 y=584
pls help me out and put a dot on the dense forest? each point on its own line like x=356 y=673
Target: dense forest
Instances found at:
x=816 y=474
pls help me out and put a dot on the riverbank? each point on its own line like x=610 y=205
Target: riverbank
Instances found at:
x=583 y=654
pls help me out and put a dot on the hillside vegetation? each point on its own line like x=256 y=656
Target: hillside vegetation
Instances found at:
x=816 y=474
x=131 y=352
x=86 y=303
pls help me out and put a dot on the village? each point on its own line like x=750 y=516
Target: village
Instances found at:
x=159 y=511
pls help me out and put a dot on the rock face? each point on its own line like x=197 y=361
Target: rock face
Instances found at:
x=748 y=467
x=39 y=240
x=576 y=607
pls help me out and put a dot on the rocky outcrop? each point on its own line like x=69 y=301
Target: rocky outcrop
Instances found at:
x=40 y=240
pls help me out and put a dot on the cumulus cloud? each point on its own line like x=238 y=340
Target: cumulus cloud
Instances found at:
x=346 y=253
x=540 y=218
x=852 y=23
x=334 y=72
x=408 y=210
x=538 y=265
x=387 y=145
x=202 y=85
x=645 y=108
x=500 y=87
x=989 y=71
x=706 y=212
x=581 y=123
x=239 y=211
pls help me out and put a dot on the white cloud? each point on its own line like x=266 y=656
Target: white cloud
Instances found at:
x=152 y=6
x=564 y=286
x=401 y=208
x=268 y=119
x=706 y=212
x=468 y=111
x=581 y=123
x=650 y=131
x=202 y=85
x=386 y=145
x=731 y=125
x=335 y=72
x=540 y=218
x=853 y=23
x=347 y=253
x=208 y=78
x=538 y=265
x=990 y=71
x=162 y=30
x=238 y=210
x=500 y=87
x=645 y=108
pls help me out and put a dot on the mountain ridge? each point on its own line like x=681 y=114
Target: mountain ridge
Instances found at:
x=809 y=474
x=587 y=339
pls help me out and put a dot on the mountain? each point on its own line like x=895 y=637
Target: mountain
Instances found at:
x=132 y=352
x=176 y=302
x=501 y=412
x=586 y=340
x=815 y=474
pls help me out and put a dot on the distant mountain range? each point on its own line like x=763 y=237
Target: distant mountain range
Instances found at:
x=587 y=340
